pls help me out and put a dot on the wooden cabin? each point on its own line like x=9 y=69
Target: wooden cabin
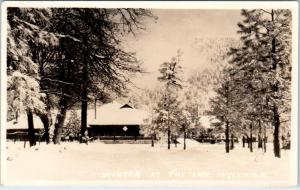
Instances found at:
x=115 y=120
x=17 y=129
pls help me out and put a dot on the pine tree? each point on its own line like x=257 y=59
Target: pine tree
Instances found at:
x=72 y=127
x=168 y=106
x=167 y=116
x=25 y=26
x=201 y=85
x=98 y=34
x=24 y=97
x=224 y=104
x=188 y=122
x=148 y=100
x=264 y=63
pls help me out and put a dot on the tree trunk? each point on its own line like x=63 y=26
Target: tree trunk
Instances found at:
x=232 y=142
x=84 y=101
x=265 y=144
x=169 y=140
x=276 y=117
x=227 y=137
x=251 y=139
x=46 y=122
x=175 y=141
x=152 y=140
x=95 y=106
x=17 y=116
x=184 y=138
x=265 y=140
x=276 y=133
x=31 y=134
x=45 y=118
x=59 y=123
x=244 y=141
x=248 y=142
x=260 y=140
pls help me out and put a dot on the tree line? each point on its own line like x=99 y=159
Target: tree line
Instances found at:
x=254 y=95
x=251 y=86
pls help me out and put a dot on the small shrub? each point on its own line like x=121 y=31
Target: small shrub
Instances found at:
x=72 y=127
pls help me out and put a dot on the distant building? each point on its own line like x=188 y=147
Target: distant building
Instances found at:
x=208 y=121
x=112 y=120
x=17 y=129
x=116 y=120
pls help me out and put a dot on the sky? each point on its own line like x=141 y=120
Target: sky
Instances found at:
x=178 y=29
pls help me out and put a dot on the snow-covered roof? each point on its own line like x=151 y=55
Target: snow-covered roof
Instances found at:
x=23 y=124
x=108 y=114
x=207 y=120
x=117 y=114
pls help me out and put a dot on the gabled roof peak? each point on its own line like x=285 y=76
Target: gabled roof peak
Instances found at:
x=126 y=106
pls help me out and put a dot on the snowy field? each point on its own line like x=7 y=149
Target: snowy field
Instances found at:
x=71 y=162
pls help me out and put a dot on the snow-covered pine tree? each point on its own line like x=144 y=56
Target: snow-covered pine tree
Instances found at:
x=167 y=115
x=102 y=56
x=72 y=127
x=171 y=76
x=223 y=105
x=201 y=85
x=44 y=54
x=264 y=58
x=192 y=107
x=188 y=122
x=24 y=95
x=148 y=100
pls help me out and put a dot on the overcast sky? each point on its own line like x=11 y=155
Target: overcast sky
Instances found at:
x=178 y=29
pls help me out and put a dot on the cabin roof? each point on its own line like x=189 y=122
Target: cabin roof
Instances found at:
x=112 y=113
x=207 y=121
x=23 y=124
x=126 y=106
x=117 y=114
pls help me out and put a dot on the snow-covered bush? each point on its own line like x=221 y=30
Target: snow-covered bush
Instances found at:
x=72 y=127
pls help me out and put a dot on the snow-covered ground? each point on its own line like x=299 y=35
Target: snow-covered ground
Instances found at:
x=86 y=164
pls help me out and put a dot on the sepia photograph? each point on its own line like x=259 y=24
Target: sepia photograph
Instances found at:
x=163 y=94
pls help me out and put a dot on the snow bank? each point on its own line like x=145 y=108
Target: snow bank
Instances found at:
x=87 y=164
x=189 y=142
